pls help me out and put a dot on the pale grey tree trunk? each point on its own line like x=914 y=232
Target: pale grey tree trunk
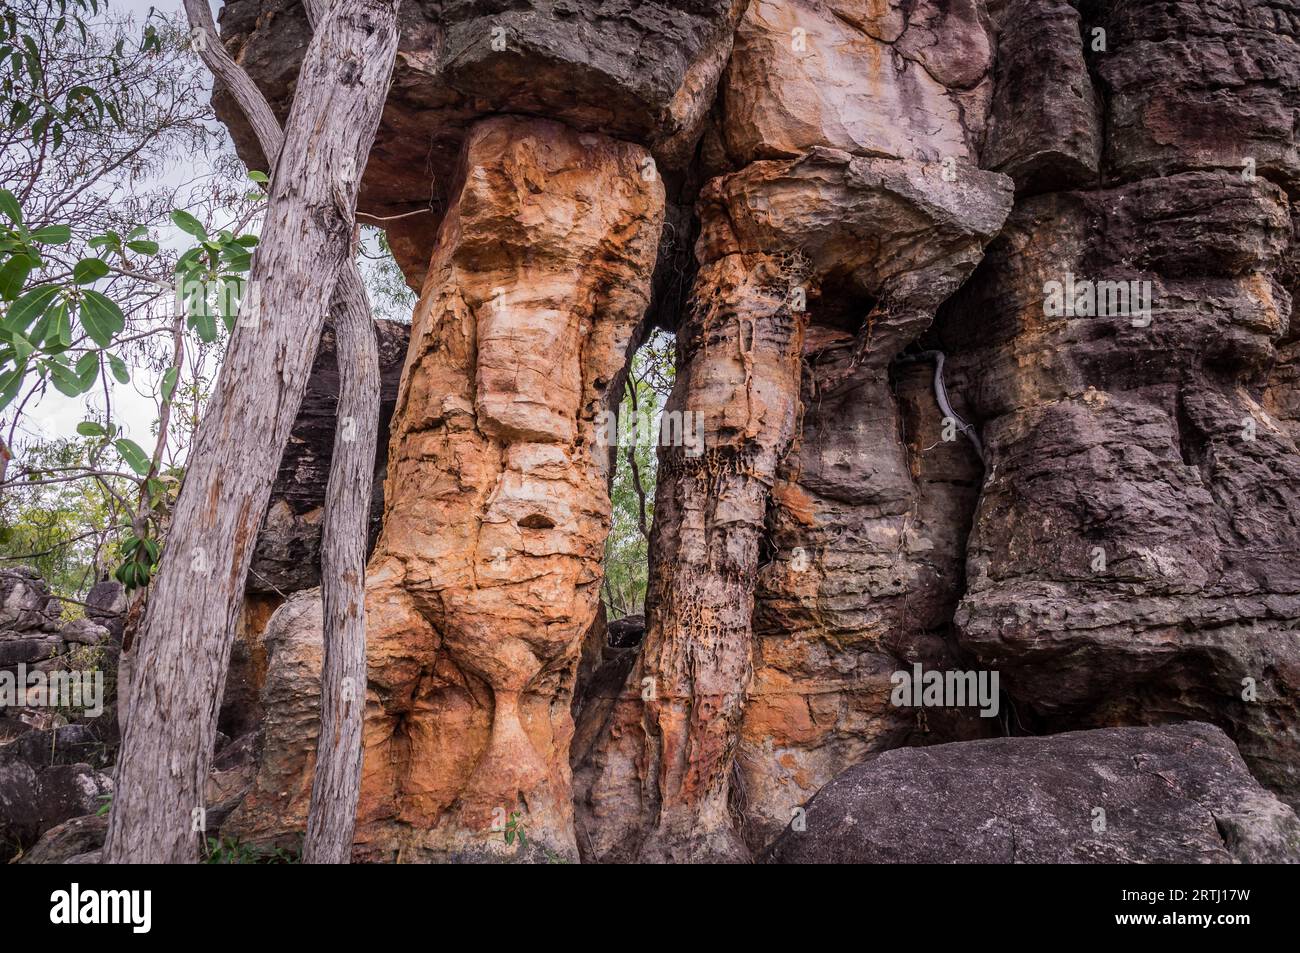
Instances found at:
x=183 y=648
x=336 y=783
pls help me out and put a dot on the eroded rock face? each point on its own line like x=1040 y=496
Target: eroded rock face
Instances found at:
x=1199 y=84
x=858 y=238
x=1044 y=126
x=890 y=79
x=287 y=557
x=1132 y=559
x=1119 y=546
x=486 y=575
x=643 y=72
x=1174 y=795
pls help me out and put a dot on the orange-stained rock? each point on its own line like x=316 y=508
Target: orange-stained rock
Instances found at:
x=486 y=575
x=846 y=220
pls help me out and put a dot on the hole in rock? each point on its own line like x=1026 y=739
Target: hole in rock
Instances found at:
x=841 y=304
x=536 y=521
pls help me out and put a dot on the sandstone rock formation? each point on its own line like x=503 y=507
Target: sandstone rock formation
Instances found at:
x=1174 y=795
x=837 y=258
x=1133 y=558
x=852 y=215
x=486 y=575
x=287 y=558
x=288 y=547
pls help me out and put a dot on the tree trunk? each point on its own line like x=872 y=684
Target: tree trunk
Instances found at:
x=336 y=782
x=183 y=648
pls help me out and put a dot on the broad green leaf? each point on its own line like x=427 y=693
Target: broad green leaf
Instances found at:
x=187 y=260
x=118 y=366
x=9 y=205
x=169 y=383
x=135 y=457
x=54 y=330
x=236 y=258
x=11 y=381
x=204 y=321
x=30 y=307
x=65 y=379
x=100 y=317
x=189 y=224
x=260 y=177
x=13 y=275
x=53 y=235
x=22 y=347
x=88 y=270
x=143 y=247
x=89 y=428
x=88 y=369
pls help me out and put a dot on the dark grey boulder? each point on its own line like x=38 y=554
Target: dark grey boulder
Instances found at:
x=1173 y=794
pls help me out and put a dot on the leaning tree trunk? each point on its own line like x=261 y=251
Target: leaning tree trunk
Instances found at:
x=336 y=784
x=183 y=648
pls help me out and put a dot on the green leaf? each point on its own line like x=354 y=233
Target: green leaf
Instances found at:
x=169 y=383
x=236 y=258
x=100 y=317
x=13 y=275
x=30 y=307
x=11 y=381
x=19 y=114
x=88 y=370
x=66 y=380
x=88 y=270
x=9 y=205
x=187 y=260
x=143 y=247
x=22 y=347
x=189 y=224
x=89 y=428
x=55 y=329
x=259 y=177
x=135 y=458
x=53 y=235
x=119 y=369
x=204 y=322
